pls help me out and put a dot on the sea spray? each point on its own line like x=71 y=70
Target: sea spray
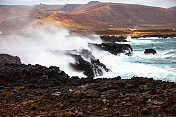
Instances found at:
x=46 y=47
x=39 y=47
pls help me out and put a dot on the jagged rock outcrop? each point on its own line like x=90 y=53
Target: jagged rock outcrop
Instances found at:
x=48 y=95
x=150 y=51
x=114 y=48
x=31 y=74
x=87 y=63
x=113 y=38
x=8 y=59
x=12 y=71
x=36 y=90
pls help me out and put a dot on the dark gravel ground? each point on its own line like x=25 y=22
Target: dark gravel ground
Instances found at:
x=27 y=90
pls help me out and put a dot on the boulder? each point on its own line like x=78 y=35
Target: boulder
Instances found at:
x=87 y=63
x=84 y=62
x=150 y=51
x=34 y=73
x=8 y=59
x=114 y=48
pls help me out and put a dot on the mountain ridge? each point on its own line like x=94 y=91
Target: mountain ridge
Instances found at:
x=91 y=16
x=172 y=8
x=114 y=15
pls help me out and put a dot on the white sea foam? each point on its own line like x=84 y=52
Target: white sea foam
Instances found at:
x=149 y=38
x=38 y=49
x=120 y=66
x=156 y=38
x=137 y=41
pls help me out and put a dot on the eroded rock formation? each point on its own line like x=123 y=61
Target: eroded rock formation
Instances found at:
x=87 y=63
x=114 y=48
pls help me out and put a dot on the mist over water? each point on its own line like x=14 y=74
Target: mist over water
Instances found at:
x=38 y=46
x=47 y=47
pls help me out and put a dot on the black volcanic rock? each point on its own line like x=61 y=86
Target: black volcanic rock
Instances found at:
x=114 y=48
x=88 y=64
x=11 y=73
x=35 y=90
x=50 y=92
x=84 y=62
x=8 y=59
x=150 y=51
x=113 y=39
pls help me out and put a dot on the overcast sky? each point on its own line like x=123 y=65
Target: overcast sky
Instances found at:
x=159 y=3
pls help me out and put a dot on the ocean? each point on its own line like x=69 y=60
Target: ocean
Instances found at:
x=39 y=49
x=164 y=60
x=160 y=66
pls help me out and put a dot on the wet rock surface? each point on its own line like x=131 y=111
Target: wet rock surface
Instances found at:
x=150 y=51
x=87 y=63
x=113 y=38
x=114 y=48
x=34 y=90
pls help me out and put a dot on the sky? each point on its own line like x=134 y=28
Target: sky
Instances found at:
x=158 y=3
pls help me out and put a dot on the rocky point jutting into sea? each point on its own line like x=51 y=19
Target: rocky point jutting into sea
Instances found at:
x=35 y=90
x=99 y=59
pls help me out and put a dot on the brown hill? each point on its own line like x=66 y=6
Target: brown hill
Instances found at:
x=113 y=15
x=70 y=7
x=14 y=18
x=173 y=8
x=11 y=11
x=85 y=6
x=92 y=16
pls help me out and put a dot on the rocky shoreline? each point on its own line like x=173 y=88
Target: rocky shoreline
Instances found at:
x=35 y=90
x=121 y=35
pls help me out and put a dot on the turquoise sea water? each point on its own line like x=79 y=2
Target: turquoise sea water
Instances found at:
x=164 y=60
x=161 y=66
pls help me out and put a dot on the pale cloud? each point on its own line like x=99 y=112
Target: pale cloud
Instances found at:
x=20 y=2
x=159 y=3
